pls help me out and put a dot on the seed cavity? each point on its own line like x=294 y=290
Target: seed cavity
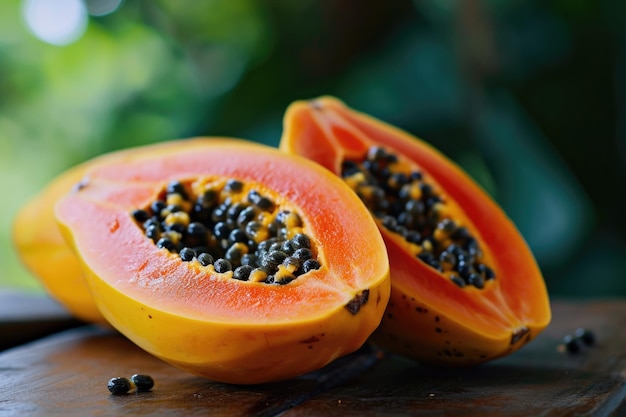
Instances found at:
x=231 y=227
x=400 y=197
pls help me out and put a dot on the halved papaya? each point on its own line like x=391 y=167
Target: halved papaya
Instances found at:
x=42 y=248
x=465 y=286
x=231 y=260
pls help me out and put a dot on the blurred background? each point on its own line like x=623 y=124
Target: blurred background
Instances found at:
x=529 y=96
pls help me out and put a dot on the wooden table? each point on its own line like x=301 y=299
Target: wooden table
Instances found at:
x=66 y=374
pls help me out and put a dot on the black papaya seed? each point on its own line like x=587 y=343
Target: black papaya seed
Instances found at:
x=119 y=385
x=143 y=382
x=586 y=336
x=572 y=344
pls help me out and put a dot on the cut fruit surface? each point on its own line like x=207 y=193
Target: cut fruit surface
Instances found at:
x=200 y=315
x=465 y=286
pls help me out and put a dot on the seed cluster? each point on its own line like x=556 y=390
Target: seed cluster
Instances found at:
x=227 y=226
x=398 y=195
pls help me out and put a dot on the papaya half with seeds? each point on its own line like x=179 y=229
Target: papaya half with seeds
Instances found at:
x=43 y=250
x=465 y=286
x=228 y=259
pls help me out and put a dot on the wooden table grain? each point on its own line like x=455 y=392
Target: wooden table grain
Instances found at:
x=66 y=374
x=29 y=316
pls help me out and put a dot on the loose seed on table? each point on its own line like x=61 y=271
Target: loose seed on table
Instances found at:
x=586 y=336
x=572 y=344
x=143 y=382
x=119 y=385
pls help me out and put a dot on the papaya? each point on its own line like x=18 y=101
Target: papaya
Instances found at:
x=228 y=259
x=43 y=250
x=465 y=286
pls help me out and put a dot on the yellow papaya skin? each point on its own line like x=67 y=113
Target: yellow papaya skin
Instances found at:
x=429 y=318
x=43 y=250
x=210 y=324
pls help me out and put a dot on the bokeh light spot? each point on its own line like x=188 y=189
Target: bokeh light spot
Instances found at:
x=58 y=22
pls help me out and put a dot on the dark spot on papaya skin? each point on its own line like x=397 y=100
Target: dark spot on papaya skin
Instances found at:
x=438 y=329
x=81 y=184
x=421 y=310
x=437 y=319
x=149 y=316
x=311 y=339
x=390 y=316
x=518 y=334
x=354 y=306
x=447 y=352
x=310 y=347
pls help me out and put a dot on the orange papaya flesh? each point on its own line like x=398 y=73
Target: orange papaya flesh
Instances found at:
x=42 y=248
x=465 y=286
x=200 y=317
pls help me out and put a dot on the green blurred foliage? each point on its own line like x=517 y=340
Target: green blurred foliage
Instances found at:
x=528 y=96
